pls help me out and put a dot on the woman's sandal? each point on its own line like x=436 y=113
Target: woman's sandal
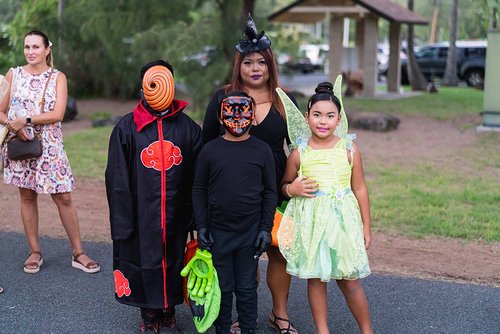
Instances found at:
x=32 y=267
x=90 y=268
x=281 y=330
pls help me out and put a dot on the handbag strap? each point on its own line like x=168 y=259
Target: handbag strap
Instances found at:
x=13 y=85
x=11 y=136
x=42 y=101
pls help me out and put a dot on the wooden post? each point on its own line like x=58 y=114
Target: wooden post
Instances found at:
x=394 y=70
x=369 y=65
x=335 y=52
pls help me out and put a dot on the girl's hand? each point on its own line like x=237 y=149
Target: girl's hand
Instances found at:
x=368 y=237
x=303 y=187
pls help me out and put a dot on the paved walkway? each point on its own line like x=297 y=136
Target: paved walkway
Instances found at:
x=60 y=299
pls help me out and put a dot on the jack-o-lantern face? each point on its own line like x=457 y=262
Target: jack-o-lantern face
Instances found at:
x=237 y=114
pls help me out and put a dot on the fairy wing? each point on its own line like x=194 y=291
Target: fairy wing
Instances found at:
x=298 y=130
x=343 y=126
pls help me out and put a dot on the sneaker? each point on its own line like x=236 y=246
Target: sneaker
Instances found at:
x=150 y=327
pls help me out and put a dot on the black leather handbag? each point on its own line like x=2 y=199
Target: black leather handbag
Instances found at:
x=18 y=149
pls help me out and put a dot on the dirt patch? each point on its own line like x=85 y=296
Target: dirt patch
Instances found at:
x=418 y=139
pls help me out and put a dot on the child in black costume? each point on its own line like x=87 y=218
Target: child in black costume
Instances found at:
x=234 y=200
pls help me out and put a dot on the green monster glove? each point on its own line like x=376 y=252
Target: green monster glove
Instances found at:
x=201 y=272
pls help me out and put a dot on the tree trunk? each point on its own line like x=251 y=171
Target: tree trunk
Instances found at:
x=450 y=74
x=435 y=19
x=230 y=13
x=228 y=9
x=60 y=16
x=494 y=11
x=417 y=80
x=248 y=7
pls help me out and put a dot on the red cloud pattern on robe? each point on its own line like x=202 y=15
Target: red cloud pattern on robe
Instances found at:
x=151 y=155
x=122 y=286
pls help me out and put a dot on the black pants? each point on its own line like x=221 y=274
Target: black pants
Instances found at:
x=232 y=255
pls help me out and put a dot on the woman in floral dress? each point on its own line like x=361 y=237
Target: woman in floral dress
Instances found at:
x=50 y=173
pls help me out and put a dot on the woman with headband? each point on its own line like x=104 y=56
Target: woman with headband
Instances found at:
x=255 y=72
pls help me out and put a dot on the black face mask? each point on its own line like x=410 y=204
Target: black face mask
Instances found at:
x=237 y=114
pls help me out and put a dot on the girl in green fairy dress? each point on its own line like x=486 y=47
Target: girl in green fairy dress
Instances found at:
x=325 y=229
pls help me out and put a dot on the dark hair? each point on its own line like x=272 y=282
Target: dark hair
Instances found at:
x=155 y=63
x=48 y=60
x=273 y=82
x=237 y=93
x=324 y=92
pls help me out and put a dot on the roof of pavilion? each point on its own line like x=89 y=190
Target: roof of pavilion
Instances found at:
x=311 y=11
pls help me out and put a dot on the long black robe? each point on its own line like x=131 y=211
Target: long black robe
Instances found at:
x=150 y=206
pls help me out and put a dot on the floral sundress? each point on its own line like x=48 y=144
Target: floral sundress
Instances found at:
x=50 y=173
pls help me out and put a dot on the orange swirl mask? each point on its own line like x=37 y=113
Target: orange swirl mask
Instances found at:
x=158 y=87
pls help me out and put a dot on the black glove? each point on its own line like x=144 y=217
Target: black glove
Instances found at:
x=196 y=309
x=205 y=240
x=262 y=243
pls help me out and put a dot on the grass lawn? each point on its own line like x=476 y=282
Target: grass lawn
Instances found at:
x=421 y=200
x=425 y=200
x=449 y=103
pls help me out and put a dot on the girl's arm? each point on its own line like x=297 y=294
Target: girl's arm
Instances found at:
x=292 y=184
x=358 y=186
x=50 y=117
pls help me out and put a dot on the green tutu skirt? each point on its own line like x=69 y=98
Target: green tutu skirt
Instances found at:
x=322 y=237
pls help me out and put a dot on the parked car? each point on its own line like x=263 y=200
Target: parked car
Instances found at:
x=302 y=64
x=204 y=57
x=432 y=58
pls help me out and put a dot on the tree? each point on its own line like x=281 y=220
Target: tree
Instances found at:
x=473 y=22
x=450 y=73
x=434 y=24
x=493 y=5
x=415 y=76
